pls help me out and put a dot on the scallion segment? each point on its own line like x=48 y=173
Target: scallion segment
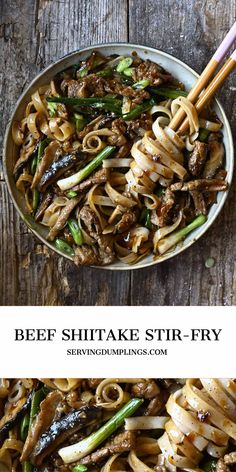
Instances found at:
x=124 y=64
x=128 y=72
x=52 y=108
x=71 y=194
x=79 y=468
x=75 y=179
x=75 y=231
x=24 y=427
x=145 y=106
x=82 y=448
x=174 y=238
x=62 y=246
x=107 y=103
x=80 y=122
x=168 y=92
x=203 y=134
x=210 y=465
x=142 y=84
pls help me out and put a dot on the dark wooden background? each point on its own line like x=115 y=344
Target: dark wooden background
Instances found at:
x=33 y=33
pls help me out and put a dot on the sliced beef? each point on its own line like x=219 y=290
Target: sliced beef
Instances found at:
x=136 y=128
x=62 y=219
x=202 y=185
x=47 y=199
x=122 y=442
x=105 y=243
x=199 y=202
x=197 y=158
x=162 y=215
x=73 y=88
x=44 y=418
x=50 y=155
x=128 y=219
x=114 y=87
x=147 y=389
x=148 y=70
x=216 y=156
x=99 y=177
x=118 y=127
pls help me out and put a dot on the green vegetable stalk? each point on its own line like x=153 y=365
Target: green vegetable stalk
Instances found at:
x=171 y=240
x=75 y=231
x=75 y=179
x=168 y=92
x=106 y=103
x=62 y=246
x=82 y=448
x=145 y=106
x=124 y=64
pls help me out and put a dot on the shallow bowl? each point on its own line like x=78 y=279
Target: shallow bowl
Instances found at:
x=180 y=71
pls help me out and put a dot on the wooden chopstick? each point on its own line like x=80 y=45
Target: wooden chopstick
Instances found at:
x=212 y=88
x=206 y=75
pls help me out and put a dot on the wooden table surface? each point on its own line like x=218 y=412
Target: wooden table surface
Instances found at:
x=33 y=34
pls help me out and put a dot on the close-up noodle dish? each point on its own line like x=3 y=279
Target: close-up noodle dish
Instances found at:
x=122 y=425
x=101 y=167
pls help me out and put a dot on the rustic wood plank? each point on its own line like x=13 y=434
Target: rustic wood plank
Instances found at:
x=32 y=35
x=197 y=28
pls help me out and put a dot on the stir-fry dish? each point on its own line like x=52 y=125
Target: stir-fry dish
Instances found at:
x=122 y=425
x=101 y=167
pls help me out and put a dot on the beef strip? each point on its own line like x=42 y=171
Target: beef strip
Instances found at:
x=50 y=154
x=120 y=443
x=119 y=128
x=216 y=156
x=197 y=158
x=47 y=199
x=73 y=88
x=148 y=70
x=128 y=219
x=161 y=217
x=199 y=202
x=24 y=159
x=147 y=389
x=62 y=219
x=99 y=177
x=105 y=243
x=137 y=127
x=203 y=185
x=157 y=404
x=44 y=418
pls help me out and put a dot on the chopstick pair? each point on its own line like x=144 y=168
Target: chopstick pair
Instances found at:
x=204 y=78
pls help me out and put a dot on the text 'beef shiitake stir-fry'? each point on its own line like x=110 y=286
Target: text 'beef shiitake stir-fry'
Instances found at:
x=117 y=425
x=100 y=167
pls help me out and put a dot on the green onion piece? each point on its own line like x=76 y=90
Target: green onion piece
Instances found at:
x=62 y=246
x=145 y=106
x=82 y=448
x=36 y=196
x=35 y=403
x=42 y=145
x=142 y=84
x=24 y=427
x=27 y=467
x=124 y=64
x=75 y=179
x=171 y=240
x=83 y=72
x=75 y=231
x=80 y=122
x=71 y=194
x=34 y=165
x=168 y=92
x=78 y=101
x=160 y=191
x=128 y=72
x=52 y=108
x=79 y=468
x=203 y=134
x=146 y=218
x=104 y=73
x=209 y=466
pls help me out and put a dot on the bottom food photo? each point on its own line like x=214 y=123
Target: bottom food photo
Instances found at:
x=140 y=425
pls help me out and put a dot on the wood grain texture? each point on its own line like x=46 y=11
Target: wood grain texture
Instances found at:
x=34 y=33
